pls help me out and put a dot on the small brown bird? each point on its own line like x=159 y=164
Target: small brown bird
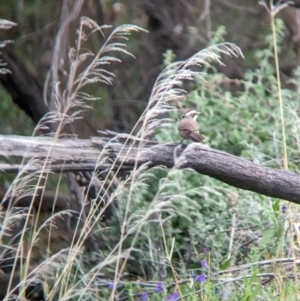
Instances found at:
x=188 y=127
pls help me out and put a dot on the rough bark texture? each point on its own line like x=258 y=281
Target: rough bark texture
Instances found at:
x=242 y=173
x=124 y=151
x=291 y=17
x=24 y=88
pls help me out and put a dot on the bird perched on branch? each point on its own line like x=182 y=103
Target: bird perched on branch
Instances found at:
x=188 y=127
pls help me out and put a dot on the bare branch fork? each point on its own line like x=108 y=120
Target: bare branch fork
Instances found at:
x=71 y=154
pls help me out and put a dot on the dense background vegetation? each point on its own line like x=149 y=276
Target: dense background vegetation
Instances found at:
x=172 y=234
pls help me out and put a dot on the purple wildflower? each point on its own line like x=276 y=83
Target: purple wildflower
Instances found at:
x=199 y=278
x=111 y=286
x=204 y=264
x=205 y=251
x=144 y=296
x=159 y=288
x=173 y=297
x=283 y=209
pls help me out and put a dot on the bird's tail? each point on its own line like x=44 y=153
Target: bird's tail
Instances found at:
x=196 y=137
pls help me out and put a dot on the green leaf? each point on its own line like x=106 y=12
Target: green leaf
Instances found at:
x=276 y=206
x=254 y=293
x=225 y=264
x=267 y=237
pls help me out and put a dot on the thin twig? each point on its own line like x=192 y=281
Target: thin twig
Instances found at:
x=231 y=235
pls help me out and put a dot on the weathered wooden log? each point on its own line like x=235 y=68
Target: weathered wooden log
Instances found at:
x=124 y=152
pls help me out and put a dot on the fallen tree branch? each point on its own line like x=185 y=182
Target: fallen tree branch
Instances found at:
x=241 y=173
x=74 y=154
x=48 y=198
